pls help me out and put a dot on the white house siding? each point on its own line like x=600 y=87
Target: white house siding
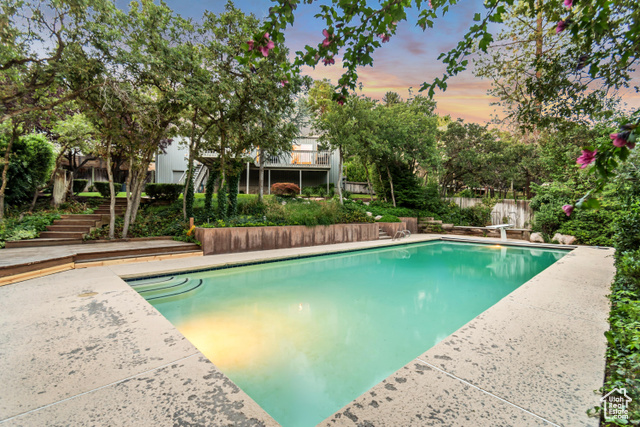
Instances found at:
x=171 y=165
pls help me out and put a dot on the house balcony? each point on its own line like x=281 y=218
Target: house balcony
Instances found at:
x=296 y=159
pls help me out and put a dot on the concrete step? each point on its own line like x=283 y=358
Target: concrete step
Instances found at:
x=94 y=216
x=70 y=221
x=385 y=238
x=32 y=243
x=108 y=211
x=139 y=252
x=193 y=252
x=74 y=228
x=62 y=234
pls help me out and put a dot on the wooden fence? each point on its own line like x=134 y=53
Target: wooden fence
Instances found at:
x=517 y=213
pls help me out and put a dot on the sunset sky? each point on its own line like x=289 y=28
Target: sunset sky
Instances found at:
x=406 y=61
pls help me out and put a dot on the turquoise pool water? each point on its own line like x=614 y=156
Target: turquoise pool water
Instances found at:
x=305 y=337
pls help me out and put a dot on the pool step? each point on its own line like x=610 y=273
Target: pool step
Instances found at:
x=155 y=289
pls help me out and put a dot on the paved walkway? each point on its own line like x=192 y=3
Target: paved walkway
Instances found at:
x=81 y=347
x=17 y=256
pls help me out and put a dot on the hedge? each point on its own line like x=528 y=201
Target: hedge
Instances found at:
x=79 y=185
x=103 y=188
x=169 y=192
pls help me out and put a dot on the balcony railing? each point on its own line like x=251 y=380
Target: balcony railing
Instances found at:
x=293 y=159
x=300 y=158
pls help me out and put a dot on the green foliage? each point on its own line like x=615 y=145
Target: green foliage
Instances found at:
x=308 y=191
x=623 y=351
x=285 y=189
x=232 y=184
x=223 y=200
x=25 y=226
x=208 y=195
x=389 y=218
x=79 y=185
x=381 y=208
x=30 y=165
x=189 y=195
x=627 y=229
x=164 y=192
x=547 y=205
x=103 y=188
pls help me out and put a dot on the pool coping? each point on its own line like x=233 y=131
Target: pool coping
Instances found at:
x=402 y=397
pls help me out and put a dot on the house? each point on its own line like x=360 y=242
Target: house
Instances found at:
x=305 y=165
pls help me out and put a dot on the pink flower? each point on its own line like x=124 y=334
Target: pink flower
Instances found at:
x=328 y=61
x=250 y=43
x=562 y=25
x=326 y=42
x=586 y=158
x=385 y=37
x=568 y=3
x=430 y=6
x=265 y=49
x=618 y=139
x=283 y=82
x=568 y=209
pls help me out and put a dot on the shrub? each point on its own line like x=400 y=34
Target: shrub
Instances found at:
x=27 y=227
x=321 y=191
x=30 y=165
x=285 y=189
x=79 y=185
x=168 y=192
x=389 y=218
x=103 y=188
x=307 y=191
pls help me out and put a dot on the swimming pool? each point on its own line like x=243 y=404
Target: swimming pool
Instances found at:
x=305 y=337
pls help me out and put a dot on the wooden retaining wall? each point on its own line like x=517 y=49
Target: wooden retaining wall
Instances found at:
x=244 y=239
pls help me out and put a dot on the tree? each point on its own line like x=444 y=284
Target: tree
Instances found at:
x=40 y=45
x=600 y=37
x=28 y=167
x=75 y=136
x=241 y=106
x=526 y=57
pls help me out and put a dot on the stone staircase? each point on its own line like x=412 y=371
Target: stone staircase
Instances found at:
x=431 y=225
x=71 y=228
x=382 y=235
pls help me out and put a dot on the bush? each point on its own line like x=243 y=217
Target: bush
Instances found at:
x=30 y=164
x=27 y=227
x=103 y=188
x=167 y=192
x=307 y=191
x=389 y=218
x=285 y=189
x=79 y=185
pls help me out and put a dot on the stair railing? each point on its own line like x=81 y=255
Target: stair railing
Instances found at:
x=401 y=234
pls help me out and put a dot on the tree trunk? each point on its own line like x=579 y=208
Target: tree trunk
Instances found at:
x=59 y=188
x=127 y=213
x=188 y=187
x=137 y=197
x=384 y=191
x=112 y=206
x=208 y=196
x=340 y=176
x=366 y=171
x=5 y=170
x=393 y=196
x=261 y=176
x=232 y=186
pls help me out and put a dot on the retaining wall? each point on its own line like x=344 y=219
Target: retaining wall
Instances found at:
x=244 y=239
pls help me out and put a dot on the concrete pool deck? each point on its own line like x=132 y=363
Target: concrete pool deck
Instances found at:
x=81 y=347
